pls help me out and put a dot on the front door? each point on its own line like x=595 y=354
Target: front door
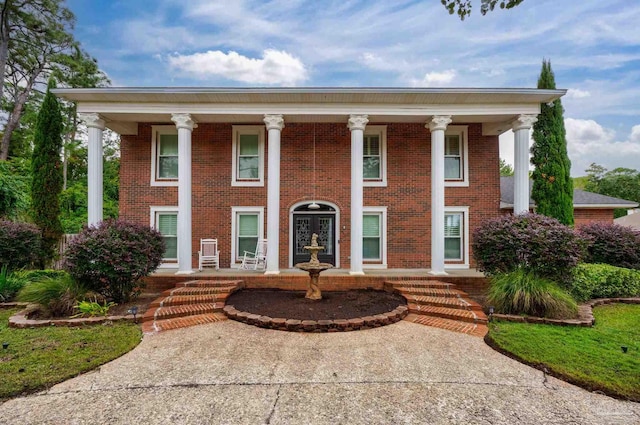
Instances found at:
x=304 y=225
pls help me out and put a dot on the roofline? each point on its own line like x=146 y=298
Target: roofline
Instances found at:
x=317 y=90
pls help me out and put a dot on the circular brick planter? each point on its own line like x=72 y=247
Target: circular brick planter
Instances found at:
x=338 y=325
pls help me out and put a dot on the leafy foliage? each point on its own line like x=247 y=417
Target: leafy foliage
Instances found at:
x=463 y=7
x=20 y=244
x=623 y=183
x=552 y=184
x=47 y=174
x=604 y=281
x=522 y=292
x=529 y=241
x=59 y=295
x=506 y=169
x=612 y=244
x=14 y=192
x=93 y=308
x=9 y=284
x=112 y=257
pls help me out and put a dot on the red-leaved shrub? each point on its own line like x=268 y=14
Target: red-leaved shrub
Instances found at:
x=612 y=244
x=20 y=244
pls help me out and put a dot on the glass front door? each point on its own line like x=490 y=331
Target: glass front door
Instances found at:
x=307 y=224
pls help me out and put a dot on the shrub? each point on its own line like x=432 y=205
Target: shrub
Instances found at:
x=604 y=281
x=522 y=292
x=534 y=242
x=612 y=244
x=9 y=284
x=112 y=257
x=20 y=244
x=93 y=308
x=58 y=295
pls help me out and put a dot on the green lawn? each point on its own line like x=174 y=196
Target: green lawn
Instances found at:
x=590 y=357
x=38 y=358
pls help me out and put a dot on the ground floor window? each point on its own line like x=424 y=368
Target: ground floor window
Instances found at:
x=374 y=235
x=165 y=220
x=456 y=231
x=247 y=228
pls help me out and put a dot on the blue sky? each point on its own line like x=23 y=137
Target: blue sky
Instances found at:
x=593 y=45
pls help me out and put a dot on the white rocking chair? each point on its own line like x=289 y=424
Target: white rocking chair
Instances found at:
x=208 y=256
x=256 y=260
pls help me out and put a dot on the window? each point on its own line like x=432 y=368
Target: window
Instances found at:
x=374 y=155
x=165 y=220
x=456 y=236
x=164 y=154
x=374 y=223
x=456 y=166
x=248 y=156
x=246 y=230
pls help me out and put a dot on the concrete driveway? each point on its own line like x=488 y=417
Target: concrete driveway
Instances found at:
x=231 y=373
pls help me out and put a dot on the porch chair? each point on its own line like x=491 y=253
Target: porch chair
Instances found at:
x=256 y=260
x=208 y=256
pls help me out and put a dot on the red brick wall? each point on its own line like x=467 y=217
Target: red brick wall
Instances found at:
x=407 y=195
x=587 y=215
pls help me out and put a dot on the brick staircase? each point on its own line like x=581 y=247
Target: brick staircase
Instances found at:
x=440 y=304
x=188 y=304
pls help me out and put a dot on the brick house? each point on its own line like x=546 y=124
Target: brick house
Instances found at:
x=389 y=178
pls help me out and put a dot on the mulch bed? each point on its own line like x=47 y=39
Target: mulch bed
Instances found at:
x=142 y=302
x=333 y=305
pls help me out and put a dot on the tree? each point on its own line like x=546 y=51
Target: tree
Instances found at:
x=623 y=183
x=463 y=7
x=47 y=173
x=506 y=169
x=552 y=185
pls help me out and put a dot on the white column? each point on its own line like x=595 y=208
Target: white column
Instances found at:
x=437 y=125
x=356 y=124
x=185 y=126
x=521 y=128
x=95 y=127
x=274 y=124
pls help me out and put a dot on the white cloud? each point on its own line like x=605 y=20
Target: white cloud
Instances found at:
x=577 y=94
x=437 y=79
x=635 y=134
x=274 y=68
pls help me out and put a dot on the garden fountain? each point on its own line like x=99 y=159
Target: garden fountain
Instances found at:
x=314 y=267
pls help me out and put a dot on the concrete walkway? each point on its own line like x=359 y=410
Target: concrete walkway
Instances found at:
x=231 y=373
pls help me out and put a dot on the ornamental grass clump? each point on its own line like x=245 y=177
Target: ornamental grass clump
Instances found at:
x=522 y=292
x=56 y=294
x=532 y=242
x=112 y=257
x=612 y=244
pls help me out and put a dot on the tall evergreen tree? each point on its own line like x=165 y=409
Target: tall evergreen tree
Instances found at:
x=552 y=184
x=47 y=173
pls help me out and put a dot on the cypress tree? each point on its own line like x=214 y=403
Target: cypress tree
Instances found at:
x=552 y=185
x=46 y=166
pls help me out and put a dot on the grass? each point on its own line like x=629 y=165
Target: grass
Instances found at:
x=39 y=358
x=589 y=357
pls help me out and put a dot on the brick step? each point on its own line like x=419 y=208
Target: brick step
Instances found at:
x=182 y=322
x=420 y=284
x=162 y=313
x=473 y=329
x=448 y=313
x=198 y=290
x=451 y=302
x=209 y=283
x=429 y=292
x=188 y=299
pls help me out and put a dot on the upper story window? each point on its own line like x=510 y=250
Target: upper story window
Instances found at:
x=248 y=156
x=374 y=158
x=456 y=161
x=164 y=156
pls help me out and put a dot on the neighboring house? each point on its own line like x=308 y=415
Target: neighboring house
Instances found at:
x=398 y=176
x=630 y=220
x=587 y=206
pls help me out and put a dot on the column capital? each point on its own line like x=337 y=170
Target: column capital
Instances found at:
x=274 y=121
x=183 y=120
x=92 y=120
x=358 y=122
x=524 y=122
x=439 y=122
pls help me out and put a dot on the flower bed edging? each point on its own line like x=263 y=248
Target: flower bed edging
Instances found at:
x=21 y=319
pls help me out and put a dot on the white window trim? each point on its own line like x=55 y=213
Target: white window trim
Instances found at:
x=234 y=213
x=247 y=129
x=380 y=130
x=463 y=132
x=382 y=263
x=173 y=264
x=156 y=131
x=456 y=264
